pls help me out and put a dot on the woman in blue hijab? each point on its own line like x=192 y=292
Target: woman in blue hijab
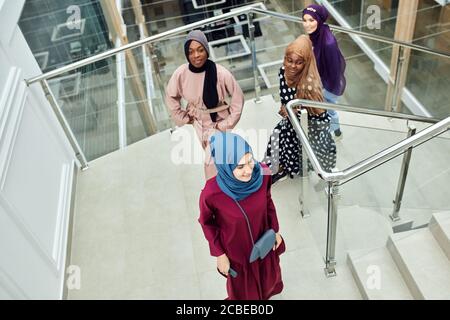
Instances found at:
x=236 y=209
x=237 y=180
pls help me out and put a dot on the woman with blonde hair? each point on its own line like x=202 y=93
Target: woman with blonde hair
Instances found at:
x=299 y=79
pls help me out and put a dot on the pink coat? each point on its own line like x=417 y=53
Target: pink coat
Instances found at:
x=189 y=86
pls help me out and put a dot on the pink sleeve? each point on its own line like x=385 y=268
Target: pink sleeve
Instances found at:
x=210 y=228
x=236 y=103
x=173 y=99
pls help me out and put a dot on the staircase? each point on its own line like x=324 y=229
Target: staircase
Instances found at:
x=412 y=265
x=136 y=234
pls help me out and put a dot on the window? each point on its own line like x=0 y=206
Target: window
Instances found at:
x=203 y=4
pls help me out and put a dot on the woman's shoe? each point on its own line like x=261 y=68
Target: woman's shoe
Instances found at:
x=337 y=134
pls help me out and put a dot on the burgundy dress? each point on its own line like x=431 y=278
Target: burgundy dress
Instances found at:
x=226 y=230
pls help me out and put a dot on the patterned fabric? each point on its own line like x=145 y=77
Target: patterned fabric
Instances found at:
x=284 y=148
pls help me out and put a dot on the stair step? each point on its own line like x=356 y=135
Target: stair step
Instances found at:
x=423 y=264
x=440 y=227
x=366 y=264
x=419 y=217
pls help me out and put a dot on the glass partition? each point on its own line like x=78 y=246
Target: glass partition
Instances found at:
x=95 y=96
x=65 y=31
x=367 y=202
x=88 y=99
x=365 y=206
x=426 y=189
x=363 y=136
x=428 y=80
x=270 y=51
x=114 y=99
x=365 y=86
x=426 y=74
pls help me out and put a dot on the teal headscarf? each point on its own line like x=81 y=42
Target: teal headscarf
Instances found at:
x=227 y=149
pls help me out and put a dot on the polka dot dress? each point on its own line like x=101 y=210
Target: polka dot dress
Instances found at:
x=284 y=148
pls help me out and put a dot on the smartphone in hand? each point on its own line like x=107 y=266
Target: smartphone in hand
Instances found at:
x=231 y=272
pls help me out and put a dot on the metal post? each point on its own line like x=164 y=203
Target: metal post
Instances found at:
x=65 y=125
x=393 y=99
x=397 y=90
x=121 y=109
x=303 y=196
x=330 y=259
x=121 y=73
x=251 y=30
x=149 y=86
x=155 y=62
x=402 y=178
x=361 y=15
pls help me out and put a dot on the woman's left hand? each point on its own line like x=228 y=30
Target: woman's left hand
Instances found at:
x=278 y=240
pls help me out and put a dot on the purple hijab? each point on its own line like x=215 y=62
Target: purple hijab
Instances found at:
x=330 y=62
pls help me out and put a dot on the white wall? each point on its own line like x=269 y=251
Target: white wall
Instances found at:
x=36 y=173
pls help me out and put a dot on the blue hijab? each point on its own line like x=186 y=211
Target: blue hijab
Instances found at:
x=227 y=149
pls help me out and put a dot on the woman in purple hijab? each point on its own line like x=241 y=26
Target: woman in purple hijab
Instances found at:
x=330 y=62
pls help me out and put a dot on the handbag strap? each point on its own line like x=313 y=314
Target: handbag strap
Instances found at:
x=246 y=218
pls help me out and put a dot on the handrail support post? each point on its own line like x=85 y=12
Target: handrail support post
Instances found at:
x=303 y=195
x=330 y=259
x=251 y=30
x=402 y=178
x=64 y=125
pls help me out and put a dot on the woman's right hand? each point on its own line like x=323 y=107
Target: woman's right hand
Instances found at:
x=283 y=111
x=223 y=264
x=190 y=111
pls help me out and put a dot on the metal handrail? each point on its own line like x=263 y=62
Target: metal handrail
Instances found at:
x=358 y=33
x=369 y=163
x=380 y=113
x=253 y=8
x=138 y=43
